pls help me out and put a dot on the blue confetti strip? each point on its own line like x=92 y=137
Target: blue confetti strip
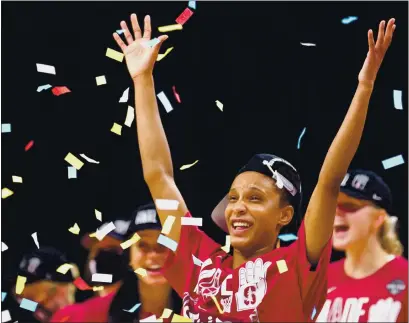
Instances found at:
x=348 y=20
x=287 y=237
x=151 y=42
x=5 y=127
x=192 y=4
x=392 y=162
x=3 y=296
x=167 y=242
x=28 y=305
x=300 y=137
x=314 y=311
x=134 y=308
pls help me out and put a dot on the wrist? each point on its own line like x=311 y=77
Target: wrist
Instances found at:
x=369 y=85
x=142 y=78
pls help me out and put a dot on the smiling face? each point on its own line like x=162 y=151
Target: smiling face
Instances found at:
x=149 y=255
x=255 y=213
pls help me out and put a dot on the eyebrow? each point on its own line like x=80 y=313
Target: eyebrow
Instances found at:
x=251 y=187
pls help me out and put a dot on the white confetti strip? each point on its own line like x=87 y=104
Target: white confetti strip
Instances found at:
x=43 y=68
x=5 y=127
x=308 y=44
x=100 y=234
x=167 y=226
x=3 y=246
x=167 y=242
x=219 y=105
x=98 y=215
x=197 y=222
x=130 y=116
x=397 y=99
x=197 y=261
x=90 y=160
x=393 y=161
x=166 y=205
x=162 y=97
x=101 y=80
x=34 y=235
x=282 y=266
x=102 y=278
x=17 y=179
x=134 y=308
x=5 y=316
x=72 y=172
x=226 y=247
x=125 y=96
x=188 y=165
x=44 y=87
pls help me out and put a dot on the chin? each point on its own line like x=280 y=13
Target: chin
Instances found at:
x=155 y=281
x=242 y=244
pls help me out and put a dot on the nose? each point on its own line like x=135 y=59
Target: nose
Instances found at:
x=239 y=208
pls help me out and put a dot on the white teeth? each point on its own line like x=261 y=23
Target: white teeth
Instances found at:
x=153 y=267
x=240 y=224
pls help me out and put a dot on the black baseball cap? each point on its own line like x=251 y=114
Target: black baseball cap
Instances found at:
x=143 y=218
x=42 y=264
x=367 y=185
x=284 y=174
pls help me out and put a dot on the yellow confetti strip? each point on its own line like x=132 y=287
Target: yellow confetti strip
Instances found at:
x=162 y=56
x=130 y=242
x=93 y=235
x=98 y=215
x=141 y=271
x=164 y=29
x=114 y=55
x=63 y=269
x=17 y=179
x=5 y=193
x=219 y=105
x=189 y=165
x=167 y=226
x=97 y=288
x=180 y=319
x=21 y=283
x=74 y=161
x=226 y=247
x=116 y=128
x=166 y=313
x=217 y=304
x=282 y=266
x=101 y=80
x=75 y=229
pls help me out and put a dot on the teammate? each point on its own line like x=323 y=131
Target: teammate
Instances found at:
x=259 y=282
x=45 y=286
x=370 y=284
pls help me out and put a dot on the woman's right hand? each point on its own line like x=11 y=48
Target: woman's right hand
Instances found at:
x=140 y=59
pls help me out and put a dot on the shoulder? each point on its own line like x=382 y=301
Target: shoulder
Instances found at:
x=399 y=267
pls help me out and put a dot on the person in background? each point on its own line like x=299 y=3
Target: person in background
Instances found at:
x=370 y=284
x=45 y=290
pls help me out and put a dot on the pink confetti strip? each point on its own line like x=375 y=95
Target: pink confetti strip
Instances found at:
x=177 y=96
x=184 y=16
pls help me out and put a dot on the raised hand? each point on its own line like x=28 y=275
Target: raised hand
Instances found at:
x=376 y=51
x=140 y=59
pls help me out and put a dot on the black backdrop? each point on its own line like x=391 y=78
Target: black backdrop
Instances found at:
x=247 y=55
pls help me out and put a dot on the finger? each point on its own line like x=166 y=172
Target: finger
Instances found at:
x=119 y=41
x=147 y=29
x=242 y=277
x=250 y=271
x=381 y=34
x=258 y=270
x=390 y=28
x=135 y=26
x=128 y=35
x=161 y=38
x=371 y=41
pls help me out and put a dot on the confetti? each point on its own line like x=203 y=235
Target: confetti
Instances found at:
x=287 y=237
x=393 y=161
x=81 y=284
x=3 y=296
x=192 y=4
x=177 y=96
x=130 y=242
x=151 y=43
x=29 y=145
x=165 y=29
x=166 y=313
x=116 y=128
x=162 y=97
x=282 y=266
x=184 y=16
x=5 y=193
x=120 y=31
x=151 y=318
x=180 y=319
x=125 y=96
x=74 y=229
x=59 y=90
x=130 y=116
x=63 y=269
x=101 y=80
x=28 y=305
x=141 y=271
x=167 y=226
x=74 y=161
x=114 y=55
x=197 y=261
x=134 y=308
x=348 y=20
x=90 y=160
x=5 y=127
x=34 y=236
x=44 y=87
x=189 y=165
x=167 y=205
x=197 y=222
x=97 y=288
x=4 y=247
x=397 y=99
x=167 y=242
x=162 y=56
x=217 y=304
x=43 y=68
x=98 y=215
x=314 y=311
x=308 y=44
x=21 y=282
x=5 y=316
x=100 y=234
x=219 y=105
x=226 y=247
x=300 y=137
x=102 y=278
x=17 y=179
x=72 y=172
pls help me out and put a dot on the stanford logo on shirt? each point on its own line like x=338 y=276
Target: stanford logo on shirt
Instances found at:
x=396 y=286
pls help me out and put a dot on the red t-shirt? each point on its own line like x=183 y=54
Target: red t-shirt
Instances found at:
x=254 y=292
x=381 y=297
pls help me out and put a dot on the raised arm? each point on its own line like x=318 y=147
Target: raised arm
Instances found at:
x=319 y=218
x=153 y=145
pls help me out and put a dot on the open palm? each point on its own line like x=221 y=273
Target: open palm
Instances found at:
x=140 y=58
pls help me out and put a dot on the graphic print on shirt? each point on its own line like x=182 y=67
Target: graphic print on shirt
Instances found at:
x=396 y=286
x=208 y=283
x=226 y=301
x=252 y=284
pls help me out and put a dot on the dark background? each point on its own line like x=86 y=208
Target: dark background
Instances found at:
x=247 y=55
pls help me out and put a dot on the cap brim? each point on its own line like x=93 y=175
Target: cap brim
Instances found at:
x=218 y=214
x=356 y=194
x=88 y=242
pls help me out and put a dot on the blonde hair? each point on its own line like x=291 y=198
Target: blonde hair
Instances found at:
x=389 y=237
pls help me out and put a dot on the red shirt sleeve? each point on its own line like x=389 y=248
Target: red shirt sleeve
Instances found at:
x=179 y=267
x=66 y=314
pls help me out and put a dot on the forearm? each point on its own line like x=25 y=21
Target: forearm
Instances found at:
x=346 y=142
x=153 y=145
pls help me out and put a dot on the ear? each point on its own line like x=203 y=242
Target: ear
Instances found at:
x=287 y=213
x=380 y=218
